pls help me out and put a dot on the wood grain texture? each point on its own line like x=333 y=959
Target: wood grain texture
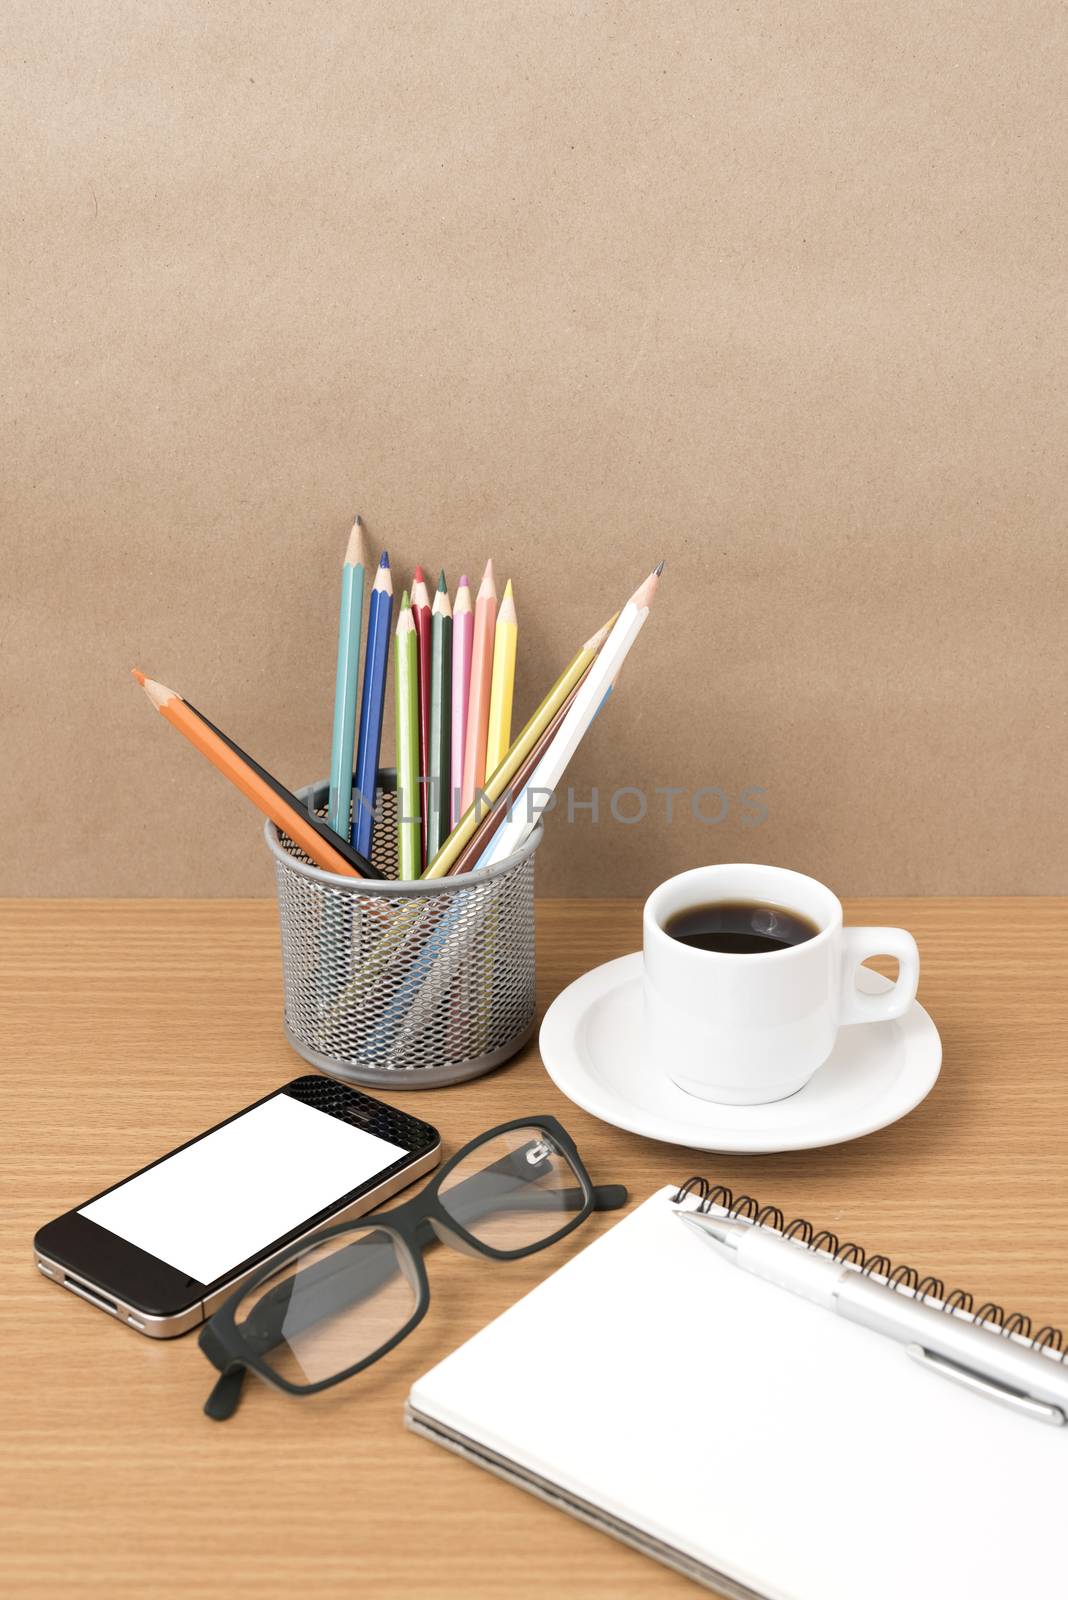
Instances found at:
x=779 y=297
x=128 y=1027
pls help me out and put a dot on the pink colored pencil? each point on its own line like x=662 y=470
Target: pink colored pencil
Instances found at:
x=463 y=625
x=478 y=700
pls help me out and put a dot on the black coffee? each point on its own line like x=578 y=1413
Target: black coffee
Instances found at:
x=740 y=927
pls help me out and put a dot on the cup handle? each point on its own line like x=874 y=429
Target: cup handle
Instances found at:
x=857 y=945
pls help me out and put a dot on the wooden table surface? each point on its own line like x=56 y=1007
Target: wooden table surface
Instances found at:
x=130 y=1026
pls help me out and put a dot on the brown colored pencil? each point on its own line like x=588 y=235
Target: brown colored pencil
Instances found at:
x=479 y=840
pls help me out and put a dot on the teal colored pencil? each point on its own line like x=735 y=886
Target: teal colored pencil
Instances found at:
x=406 y=695
x=350 y=621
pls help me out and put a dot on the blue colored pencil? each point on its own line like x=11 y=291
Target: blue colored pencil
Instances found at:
x=350 y=620
x=372 y=704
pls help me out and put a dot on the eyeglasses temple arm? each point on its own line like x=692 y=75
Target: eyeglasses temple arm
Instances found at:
x=224 y=1399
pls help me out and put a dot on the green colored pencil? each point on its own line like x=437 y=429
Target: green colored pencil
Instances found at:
x=406 y=695
x=439 y=820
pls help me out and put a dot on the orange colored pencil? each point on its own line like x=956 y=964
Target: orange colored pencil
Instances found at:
x=478 y=702
x=207 y=741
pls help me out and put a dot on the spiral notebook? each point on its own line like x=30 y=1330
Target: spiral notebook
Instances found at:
x=746 y=1437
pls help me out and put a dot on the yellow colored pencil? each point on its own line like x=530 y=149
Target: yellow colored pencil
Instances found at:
x=499 y=780
x=505 y=640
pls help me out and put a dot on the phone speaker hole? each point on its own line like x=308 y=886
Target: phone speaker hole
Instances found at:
x=86 y=1293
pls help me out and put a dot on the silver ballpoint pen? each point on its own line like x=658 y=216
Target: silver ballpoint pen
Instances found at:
x=995 y=1366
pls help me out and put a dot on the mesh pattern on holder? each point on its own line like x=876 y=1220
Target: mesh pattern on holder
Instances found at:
x=405 y=985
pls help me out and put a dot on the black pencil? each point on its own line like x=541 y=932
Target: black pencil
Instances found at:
x=353 y=856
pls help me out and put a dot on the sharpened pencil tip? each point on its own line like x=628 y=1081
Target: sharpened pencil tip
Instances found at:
x=135 y=672
x=464 y=583
x=405 y=602
x=487 y=589
x=643 y=594
x=385 y=559
x=442 y=585
x=356 y=549
x=419 y=575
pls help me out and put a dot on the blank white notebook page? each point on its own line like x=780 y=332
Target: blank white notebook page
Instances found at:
x=790 y=1450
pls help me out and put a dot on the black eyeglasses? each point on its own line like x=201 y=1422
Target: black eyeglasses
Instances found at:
x=341 y=1301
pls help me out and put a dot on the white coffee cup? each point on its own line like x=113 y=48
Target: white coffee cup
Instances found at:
x=749 y=1029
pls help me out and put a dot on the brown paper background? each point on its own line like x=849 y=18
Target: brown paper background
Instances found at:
x=776 y=292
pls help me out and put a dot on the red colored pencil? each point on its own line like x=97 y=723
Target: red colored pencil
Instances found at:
x=422 y=617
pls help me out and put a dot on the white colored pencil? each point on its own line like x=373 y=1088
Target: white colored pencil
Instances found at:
x=532 y=800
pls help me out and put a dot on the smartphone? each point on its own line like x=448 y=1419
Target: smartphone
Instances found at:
x=161 y=1250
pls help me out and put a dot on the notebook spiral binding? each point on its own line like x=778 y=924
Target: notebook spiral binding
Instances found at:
x=744 y=1208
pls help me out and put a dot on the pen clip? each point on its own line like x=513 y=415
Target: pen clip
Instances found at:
x=980 y=1384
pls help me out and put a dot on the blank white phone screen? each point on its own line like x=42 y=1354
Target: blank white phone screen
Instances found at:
x=225 y=1198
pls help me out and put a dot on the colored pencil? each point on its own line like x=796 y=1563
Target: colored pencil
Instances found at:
x=498 y=781
x=479 y=696
x=372 y=705
x=448 y=950
x=463 y=623
x=406 y=695
x=287 y=814
x=337 y=841
x=480 y=838
x=502 y=686
x=550 y=769
x=476 y=846
x=350 y=619
x=440 y=768
x=421 y=614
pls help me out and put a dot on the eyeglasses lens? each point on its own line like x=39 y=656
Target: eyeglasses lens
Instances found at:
x=514 y=1191
x=331 y=1307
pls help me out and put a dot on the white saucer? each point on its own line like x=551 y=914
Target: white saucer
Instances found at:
x=590 y=1043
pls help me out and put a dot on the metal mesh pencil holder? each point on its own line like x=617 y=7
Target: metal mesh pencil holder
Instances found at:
x=404 y=985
